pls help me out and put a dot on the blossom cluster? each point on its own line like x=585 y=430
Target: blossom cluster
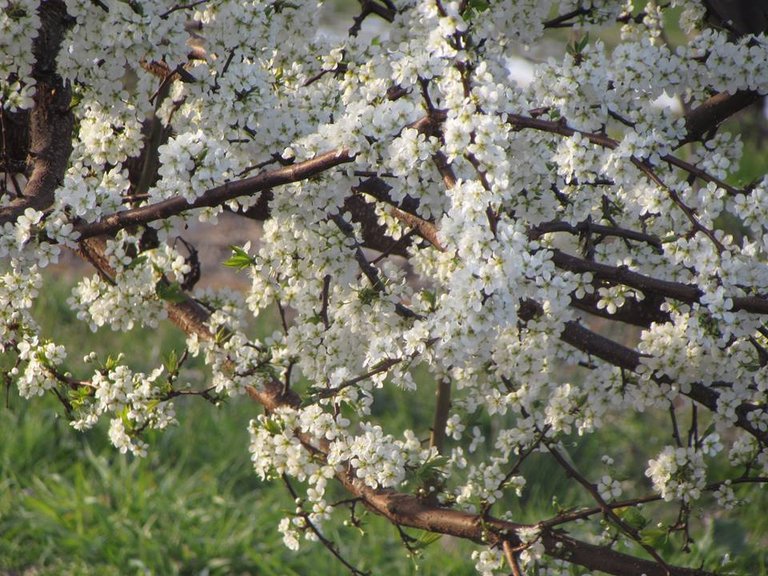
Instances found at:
x=19 y=25
x=678 y=473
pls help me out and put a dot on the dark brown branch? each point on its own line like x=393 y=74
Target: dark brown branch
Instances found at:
x=590 y=227
x=705 y=118
x=565 y=20
x=519 y=122
x=368 y=269
x=382 y=366
x=374 y=234
x=611 y=561
x=157 y=135
x=50 y=121
x=167 y=13
x=409 y=510
x=263 y=182
x=605 y=508
x=568 y=517
x=216 y=196
x=622 y=275
x=379 y=189
x=620 y=356
x=423 y=228
x=559 y=127
x=740 y=17
x=368 y=8
x=637 y=313
x=442 y=408
x=510 y=554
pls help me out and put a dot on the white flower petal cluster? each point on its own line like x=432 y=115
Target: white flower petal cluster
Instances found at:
x=488 y=562
x=678 y=473
x=19 y=25
x=89 y=192
x=135 y=402
x=190 y=164
x=379 y=461
x=609 y=488
x=131 y=303
x=40 y=360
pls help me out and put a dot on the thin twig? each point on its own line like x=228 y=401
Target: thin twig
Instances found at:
x=605 y=508
x=332 y=548
x=382 y=366
x=440 y=419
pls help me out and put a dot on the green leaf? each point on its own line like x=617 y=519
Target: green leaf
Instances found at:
x=240 y=258
x=654 y=537
x=476 y=7
x=172 y=362
x=423 y=538
x=170 y=291
x=581 y=44
x=632 y=516
x=222 y=335
x=273 y=427
x=430 y=298
x=368 y=295
x=111 y=363
x=78 y=397
x=480 y=5
x=430 y=470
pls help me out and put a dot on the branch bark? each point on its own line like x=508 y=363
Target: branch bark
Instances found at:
x=408 y=510
x=50 y=121
x=706 y=117
x=216 y=196
x=687 y=293
x=621 y=356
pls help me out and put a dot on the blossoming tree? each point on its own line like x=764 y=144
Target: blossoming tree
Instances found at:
x=538 y=222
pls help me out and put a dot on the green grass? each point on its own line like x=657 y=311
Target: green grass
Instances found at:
x=70 y=504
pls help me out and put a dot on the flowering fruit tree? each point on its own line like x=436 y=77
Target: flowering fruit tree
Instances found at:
x=553 y=257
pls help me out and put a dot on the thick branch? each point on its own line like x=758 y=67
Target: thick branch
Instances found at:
x=619 y=355
x=637 y=313
x=216 y=196
x=622 y=275
x=706 y=117
x=50 y=121
x=408 y=510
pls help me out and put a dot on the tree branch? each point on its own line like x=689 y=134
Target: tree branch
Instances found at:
x=687 y=293
x=409 y=510
x=440 y=418
x=216 y=196
x=705 y=118
x=620 y=356
x=50 y=121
